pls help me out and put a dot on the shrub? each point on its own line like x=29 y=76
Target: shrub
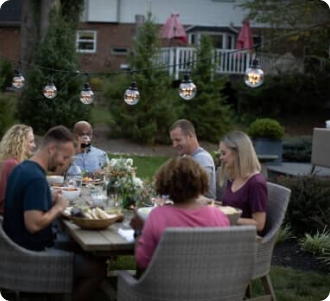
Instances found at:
x=6 y=74
x=297 y=149
x=284 y=234
x=7 y=112
x=266 y=128
x=317 y=244
x=57 y=51
x=208 y=110
x=149 y=120
x=309 y=207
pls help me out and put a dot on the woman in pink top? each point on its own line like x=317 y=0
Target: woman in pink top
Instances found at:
x=15 y=146
x=184 y=181
x=246 y=186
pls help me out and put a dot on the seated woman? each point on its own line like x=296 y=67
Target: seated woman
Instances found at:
x=16 y=145
x=184 y=180
x=246 y=186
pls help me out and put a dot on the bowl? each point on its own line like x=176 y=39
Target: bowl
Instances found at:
x=144 y=212
x=70 y=193
x=232 y=213
x=93 y=224
x=52 y=180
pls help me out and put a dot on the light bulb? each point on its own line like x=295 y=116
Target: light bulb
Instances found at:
x=254 y=76
x=132 y=95
x=18 y=80
x=86 y=95
x=187 y=89
x=50 y=91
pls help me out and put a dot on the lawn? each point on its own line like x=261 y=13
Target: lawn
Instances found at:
x=289 y=284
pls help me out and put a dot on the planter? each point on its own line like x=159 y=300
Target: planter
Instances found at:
x=264 y=146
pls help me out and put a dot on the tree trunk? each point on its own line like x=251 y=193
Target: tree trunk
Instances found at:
x=29 y=33
x=46 y=7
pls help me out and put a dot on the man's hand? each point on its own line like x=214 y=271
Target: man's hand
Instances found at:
x=60 y=202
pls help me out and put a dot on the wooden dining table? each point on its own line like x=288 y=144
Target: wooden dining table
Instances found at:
x=107 y=242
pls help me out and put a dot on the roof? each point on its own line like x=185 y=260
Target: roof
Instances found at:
x=10 y=13
x=228 y=29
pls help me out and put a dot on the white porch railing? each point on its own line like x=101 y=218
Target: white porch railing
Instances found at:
x=226 y=61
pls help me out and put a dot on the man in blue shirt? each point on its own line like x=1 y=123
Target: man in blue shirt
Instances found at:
x=88 y=157
x=29 y=207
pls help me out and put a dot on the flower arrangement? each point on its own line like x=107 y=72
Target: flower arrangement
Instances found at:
x=122 y=180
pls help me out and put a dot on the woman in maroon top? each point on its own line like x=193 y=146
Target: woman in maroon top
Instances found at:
x=15 y=146
x=246 y=186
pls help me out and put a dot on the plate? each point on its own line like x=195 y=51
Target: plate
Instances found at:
x=92 y=181
x=144 y=212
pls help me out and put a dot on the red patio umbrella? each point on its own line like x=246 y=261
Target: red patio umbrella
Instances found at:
x=245 y=40
x=173 y=29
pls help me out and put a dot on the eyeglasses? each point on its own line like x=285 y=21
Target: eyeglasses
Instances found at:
x=80 y=134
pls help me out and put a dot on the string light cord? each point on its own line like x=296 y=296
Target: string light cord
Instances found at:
x=166 y=66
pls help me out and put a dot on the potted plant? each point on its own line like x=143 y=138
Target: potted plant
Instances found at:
x=267 y=134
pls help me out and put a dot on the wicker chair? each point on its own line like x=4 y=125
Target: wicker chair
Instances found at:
x=204 y=264
x=25 y=271
x=278 y=200
x=320 y=148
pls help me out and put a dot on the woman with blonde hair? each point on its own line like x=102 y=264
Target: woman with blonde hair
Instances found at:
x=246 y=186
x=16 y=145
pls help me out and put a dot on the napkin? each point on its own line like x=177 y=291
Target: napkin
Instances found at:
x=127 y=234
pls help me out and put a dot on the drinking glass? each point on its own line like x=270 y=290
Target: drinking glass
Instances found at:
x=74 y=176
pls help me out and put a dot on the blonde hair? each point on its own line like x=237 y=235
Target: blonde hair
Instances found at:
x=245 y=157
x=13 y=143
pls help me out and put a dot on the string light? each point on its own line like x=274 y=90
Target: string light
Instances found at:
x=187 y=89
x=132 y=95
x=254 y=76
x=86 y=94
x=18 y=80
x=50 y=91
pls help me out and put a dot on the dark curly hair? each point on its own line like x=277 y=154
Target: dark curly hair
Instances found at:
x=182 y=179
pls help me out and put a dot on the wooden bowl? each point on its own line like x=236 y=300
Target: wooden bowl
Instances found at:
x=93 y=224
x=233 y=215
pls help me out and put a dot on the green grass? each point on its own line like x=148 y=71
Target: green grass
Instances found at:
x=146 y=166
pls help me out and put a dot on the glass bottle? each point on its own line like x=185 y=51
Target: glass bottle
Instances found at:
x=74 y=175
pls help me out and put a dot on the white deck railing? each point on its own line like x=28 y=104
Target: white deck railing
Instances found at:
x=226 y=61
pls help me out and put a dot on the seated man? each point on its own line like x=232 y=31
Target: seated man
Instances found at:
x=30 y=209
x=88 y=157
x=184 y=140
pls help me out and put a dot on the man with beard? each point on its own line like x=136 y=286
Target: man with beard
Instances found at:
x=30 y=209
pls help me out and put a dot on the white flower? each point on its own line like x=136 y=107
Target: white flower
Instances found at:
x=138 y=183
x=113 y=162
x=129 y=162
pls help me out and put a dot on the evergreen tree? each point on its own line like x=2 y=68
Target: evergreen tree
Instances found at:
x=149 y=120
x=208 y=109
x=56 y=52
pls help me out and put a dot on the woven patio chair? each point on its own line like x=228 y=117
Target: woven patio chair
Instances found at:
x=320 y=148
x=25 y=271
x=278 y=200
x=204 y=264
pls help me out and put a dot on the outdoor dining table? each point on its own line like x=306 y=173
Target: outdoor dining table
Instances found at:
x=107 y=242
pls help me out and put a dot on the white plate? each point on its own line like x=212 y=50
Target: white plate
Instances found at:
x=144 y=212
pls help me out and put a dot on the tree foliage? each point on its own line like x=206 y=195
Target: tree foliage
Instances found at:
x=149 y=120
x=208 y=109
x=56 y=52
x=295 y=15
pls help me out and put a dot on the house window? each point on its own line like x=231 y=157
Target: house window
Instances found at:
x=86 y=41
x=192 y=38
x=221 y=40
x=119 y=51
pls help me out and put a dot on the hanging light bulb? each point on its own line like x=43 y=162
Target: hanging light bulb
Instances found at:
x=50 y=91
x=86 y=94
x=18 y=80
x=187 y=89
x=132 y=95
x=254 y=76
